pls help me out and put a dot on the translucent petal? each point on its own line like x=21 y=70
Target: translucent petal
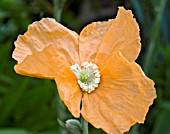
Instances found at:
x=122 y=98
x=123 y=35
x=44 y=32
x=90 y=40
x=41 y=64
x=68 y=89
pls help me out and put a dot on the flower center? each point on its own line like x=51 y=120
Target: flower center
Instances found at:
x=88 y=76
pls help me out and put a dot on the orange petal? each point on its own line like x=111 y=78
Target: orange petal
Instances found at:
x=42 y=64
x=123 y=35
x=47 y=31
x=69 y=90
x=48 y=64
x=90 y=39
x=122 y=98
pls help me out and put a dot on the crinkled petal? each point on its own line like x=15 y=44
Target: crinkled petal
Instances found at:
x=41 y=64
x=123 y=35
x=47 y=63
x=90 y=40
x=44 y=32
x=68 y=89
x=122 y=98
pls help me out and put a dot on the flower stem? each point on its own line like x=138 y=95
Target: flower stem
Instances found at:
x=84 y=126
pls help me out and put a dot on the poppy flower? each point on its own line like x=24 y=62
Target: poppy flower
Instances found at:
x=95 y=71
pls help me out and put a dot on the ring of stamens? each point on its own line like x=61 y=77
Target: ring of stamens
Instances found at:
x=88 y=76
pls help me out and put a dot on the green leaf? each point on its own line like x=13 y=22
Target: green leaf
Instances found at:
x=138 y=10
x=162 y=124
x=9 y=102
x=61 y=123
x=164 y=105
x=13 y=131
x=153 y=38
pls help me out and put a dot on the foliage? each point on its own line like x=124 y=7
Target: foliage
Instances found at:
x=29 y=105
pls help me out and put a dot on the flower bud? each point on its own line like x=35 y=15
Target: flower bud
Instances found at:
x=73 y=126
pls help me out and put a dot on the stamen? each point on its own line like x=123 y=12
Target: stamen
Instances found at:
x=88 y=76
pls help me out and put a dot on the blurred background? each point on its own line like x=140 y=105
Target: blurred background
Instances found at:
x=30 y=105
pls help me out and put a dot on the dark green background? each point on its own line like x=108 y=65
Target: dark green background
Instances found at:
x=30 y=105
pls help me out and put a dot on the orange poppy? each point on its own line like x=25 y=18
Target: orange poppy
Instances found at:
x=96 y=68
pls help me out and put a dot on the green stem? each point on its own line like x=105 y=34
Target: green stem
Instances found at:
x=84 y=126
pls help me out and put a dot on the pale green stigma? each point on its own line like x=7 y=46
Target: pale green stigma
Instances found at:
x=88 y=76
x=84 y=75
